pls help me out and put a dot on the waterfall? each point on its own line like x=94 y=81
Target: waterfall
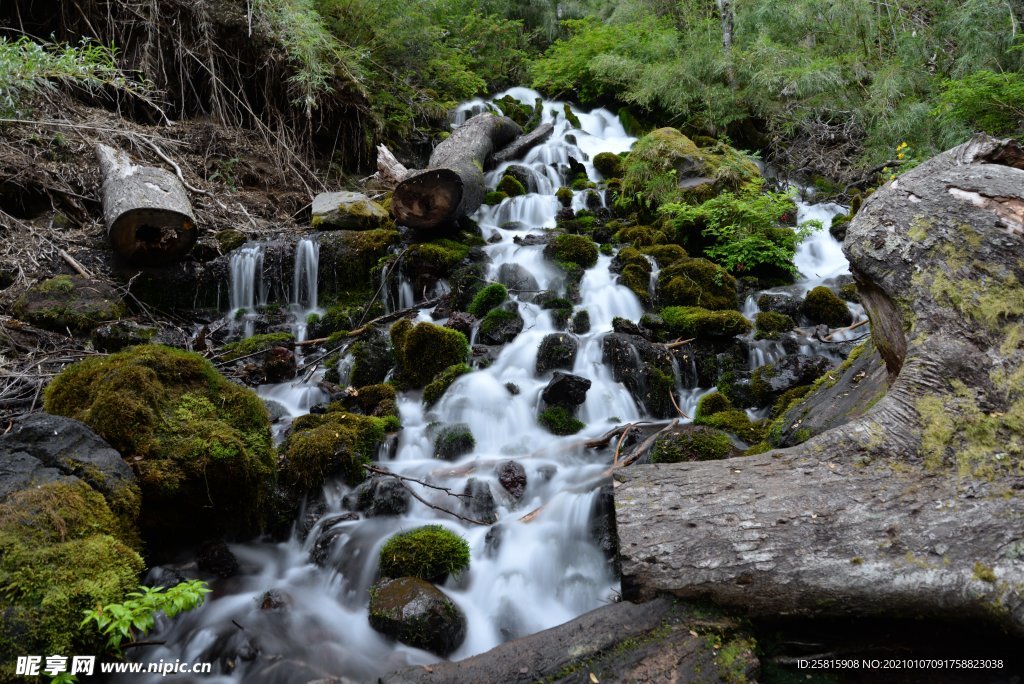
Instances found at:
x=247 y=290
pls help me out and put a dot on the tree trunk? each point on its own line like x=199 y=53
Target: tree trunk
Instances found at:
x=914 y=508
x=147 y=211
x=518 y=148
x=452 y=185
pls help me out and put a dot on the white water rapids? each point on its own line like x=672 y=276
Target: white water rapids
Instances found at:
x=524 y=576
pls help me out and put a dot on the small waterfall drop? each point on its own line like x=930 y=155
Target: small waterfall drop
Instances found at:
x=246 y=290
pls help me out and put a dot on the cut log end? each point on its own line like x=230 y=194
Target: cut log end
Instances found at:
x=428 y=198
x=152 y=236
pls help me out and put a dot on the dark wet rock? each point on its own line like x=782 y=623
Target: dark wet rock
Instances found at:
x=501 y=325
x=378 y=496
x=580 y=323
x=522 y=174
x=279 y=365
x=557 y=350
x=547 y=471
x=330 y=531
x=645 y=369
x=276 y=600
x=418 y=614
x=512 y=476
x=770 y=381
x=531 y=240
x=453 y=441
x=512 y=388
x=564 y=214
x=492 y=540
x=478 y=501
x=373 y=359
x=566 y=390
x=518 y=280
x=113 y=337
x=627 y=327
x=216 y=558
x=779 y=303
x=601 y=526
x=463 y=322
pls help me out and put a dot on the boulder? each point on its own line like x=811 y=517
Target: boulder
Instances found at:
x=781 y=303
x=113 y=337
x=512 y=476
x=501 y=325
x=70 y=303
x=518 y=280
x=566 y=390
x=453 y=441
x=478 y=501
x=279 y=365
x=645 y=369
x=770 y=381
x=378 y=496
x=347 y=211
x=417 y=614
x=557 y=350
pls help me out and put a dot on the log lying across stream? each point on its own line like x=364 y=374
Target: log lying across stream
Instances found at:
x=915 y=508
x=452 y=185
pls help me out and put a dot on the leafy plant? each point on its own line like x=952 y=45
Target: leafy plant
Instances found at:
x=987 y=101
x=137 y=615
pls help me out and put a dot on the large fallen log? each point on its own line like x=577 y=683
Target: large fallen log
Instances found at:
x=452 y=185
x=147 y=211
x=518 y=148
x=915 y=508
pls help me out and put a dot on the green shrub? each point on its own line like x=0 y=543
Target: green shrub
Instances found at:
x=985 y=101
x=431 y=553
x=136 y=615
x=486 y=299
x=558 y=421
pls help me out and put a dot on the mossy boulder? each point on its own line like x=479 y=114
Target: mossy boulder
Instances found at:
x=501 y=325
x=347 y=211
x=372 y=359
x=823 y=306
x=62 y=551
x=712 y=403
x=608 y=164
x=70 y=303
x=665 y=255
x=430 y=553
x=199 y=444
x=511 y=186
x=423 y=350
x=769 y=325
x=696 y=282
x=641 y=236
x=697 y=322
x=453 y=441
x=692 y=443
x=559 y=421
x=494 y=197
x=736 y=422
x=564 y=196
x=418 y=614
x=255 y=344
x=572 y=249
x=229 y=240
x=557 y=350
x=434 y=259
x=348 y=258
x=332 y=444
x=486 y=299
x=442 y=381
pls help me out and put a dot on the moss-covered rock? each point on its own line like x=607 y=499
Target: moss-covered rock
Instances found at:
x=70 y=303
x=580 y=323
x=255 y=344
x=331 y=444
x=486 y=299
x=712 y=403
x=696 y=282
x=430 y=553
x=62 y=551
x=348 y=258
x=572 y=249
x=199 y=444
x=511 y=186
x=423 y=350
x=665 y=255
x=418 y=614
x=347 y=211
x=736 y=422
x=229 y=240
x=453 y=441
x=557 y=350
x=559 y=421
x=372 y=359
x=494 y=197
x=769 y=325
x=442 y=381
x=696 y=322
x=501 y=325
x=823 y=306
x=641 y=236
x=564 y=196
x=692 y=443
x=608 y=164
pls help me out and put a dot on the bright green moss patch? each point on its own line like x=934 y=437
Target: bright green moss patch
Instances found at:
x=572 y=249
x=665 y=255
x=431 y=553
x=196 y=441
x=736 y=422
x=486 y=299
x=423 y=350
x=255 y=344
x=822 y=305
x=608 y=164
x=696 y=322
x=332 y=444
x=564 y=196
x=453 y=441
x=697 y=282
x=697 y=444
x=712 y=403
x=770 y=324
x=442 y=381
x=494 y=197
x=558 y=421
x=511 y=186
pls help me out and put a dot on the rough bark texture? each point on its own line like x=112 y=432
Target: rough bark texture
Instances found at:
x=623 y=642
x=147 y=211
x=915 y=508
x=518 y=148
x=452 y=185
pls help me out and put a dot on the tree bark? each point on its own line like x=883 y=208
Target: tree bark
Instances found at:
x=914 y=508
x=147 y=211
x=518 y=148
x=452 y=185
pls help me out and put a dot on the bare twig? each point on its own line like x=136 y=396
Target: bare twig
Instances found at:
x=73 y=263
x=383 y=471
x=672 y=396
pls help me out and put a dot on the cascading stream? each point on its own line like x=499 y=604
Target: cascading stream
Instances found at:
x=524 y=576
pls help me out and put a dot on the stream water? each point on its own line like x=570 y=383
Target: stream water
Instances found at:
x=524 y=576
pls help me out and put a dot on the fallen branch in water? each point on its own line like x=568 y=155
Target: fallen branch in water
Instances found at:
x=672 y=396
x=603 y=440
x=828 y=338
x=383 y=471
x=412 y=492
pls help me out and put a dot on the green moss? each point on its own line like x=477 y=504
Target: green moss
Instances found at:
x=712 y=403
x=62 y=551
x=770 y=324
x=377 y=400
x=580 y=322
x=511 y=186
x=196 y=441
x=665 y=255
x=573 y=120
x=984 y=573
x=454 y=441
x=488 y=298
x=572 y=249
x=442 y=381
x=637 y=279
x=558 y=421
x=822 y=305
x=62 y=284
x=733 y=659
x=439 y=256
x=494 y=321
x=70 y=303
x=641 y=236
x=564 y=196
x=494 y=197
x=697 y=282
x=332 y=444
x=582 y=184
x=255 y=344
x=431 y=553
x=608 y=164
x=788 y=399
x=693 y=445
x=736 y=422
x=229 y=240
x=696 y=322
x=424 y=350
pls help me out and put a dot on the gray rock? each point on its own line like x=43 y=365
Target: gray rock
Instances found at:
x=478 y=502
x=418 y=614
x=378 y=496
x=346 y=211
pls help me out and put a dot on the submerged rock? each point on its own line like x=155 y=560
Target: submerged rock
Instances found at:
x=566 y=390
x=478 y=501
x=512 y=476
x=418 y=614
x=379 y=496
x=557 y=350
